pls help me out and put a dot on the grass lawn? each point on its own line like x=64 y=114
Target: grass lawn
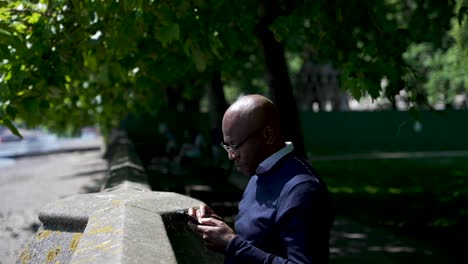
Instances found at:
x=423 y=198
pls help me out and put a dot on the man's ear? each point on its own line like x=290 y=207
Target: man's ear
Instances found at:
x=269 y=135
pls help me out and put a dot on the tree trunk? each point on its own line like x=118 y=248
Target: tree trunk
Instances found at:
x=217 y=106
x=279 y=83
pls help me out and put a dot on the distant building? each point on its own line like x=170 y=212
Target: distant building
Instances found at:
x=318 y=89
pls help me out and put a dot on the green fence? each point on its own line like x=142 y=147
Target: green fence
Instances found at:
x=336 y=132
x=355 y=132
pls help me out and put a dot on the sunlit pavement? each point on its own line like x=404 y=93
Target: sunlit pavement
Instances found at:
x=46 y=144
x=29 y=183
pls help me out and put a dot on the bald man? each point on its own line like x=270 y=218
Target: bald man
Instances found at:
x=285 y=213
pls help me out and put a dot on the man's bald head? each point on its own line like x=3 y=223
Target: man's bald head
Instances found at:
x=252 y=111
x=251 y=125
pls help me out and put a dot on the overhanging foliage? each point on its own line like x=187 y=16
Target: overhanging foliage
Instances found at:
x=67 y=64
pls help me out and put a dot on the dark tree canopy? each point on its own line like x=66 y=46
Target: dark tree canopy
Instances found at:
x=67 y=63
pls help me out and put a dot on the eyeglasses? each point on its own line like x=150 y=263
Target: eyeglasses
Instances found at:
x=234 y=148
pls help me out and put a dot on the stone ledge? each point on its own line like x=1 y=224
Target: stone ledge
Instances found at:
x=124 y=223
x=120 y=226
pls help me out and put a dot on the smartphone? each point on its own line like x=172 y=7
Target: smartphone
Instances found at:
x=187 y=217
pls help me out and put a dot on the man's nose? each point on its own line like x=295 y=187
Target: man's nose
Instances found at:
x=232 y=155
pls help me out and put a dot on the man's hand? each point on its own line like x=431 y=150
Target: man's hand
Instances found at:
x=202 y=212
x=213 y=231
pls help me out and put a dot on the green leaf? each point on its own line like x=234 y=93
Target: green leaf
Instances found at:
x=188 y=46
x=4 y=32
x=198 y=59
x=89 y=60
x=414 y=113
x=34 y=18
x=215 y=45
x=168 y=33
x=353 y=87
x=7 y=123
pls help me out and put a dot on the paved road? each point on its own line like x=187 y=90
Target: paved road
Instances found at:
x=48 y=143
x=31 y=182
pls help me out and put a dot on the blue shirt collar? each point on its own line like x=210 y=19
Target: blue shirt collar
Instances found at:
x=269 y=162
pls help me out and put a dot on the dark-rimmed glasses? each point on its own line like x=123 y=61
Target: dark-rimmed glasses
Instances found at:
x=234 y=148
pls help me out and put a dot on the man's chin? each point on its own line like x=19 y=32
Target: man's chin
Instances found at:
x=243 y=171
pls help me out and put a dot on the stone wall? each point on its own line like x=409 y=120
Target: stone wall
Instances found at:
x=125 y=222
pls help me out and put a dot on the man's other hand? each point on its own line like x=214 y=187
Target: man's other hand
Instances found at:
x=215 y=233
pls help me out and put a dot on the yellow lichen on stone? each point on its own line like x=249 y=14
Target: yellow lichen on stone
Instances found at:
x=85 y=246
x=25 y=255
x=91 y=219
x=117 y=250
x=74 y=242
x=53 y=253
x=105 y=229
x=106 y=245
x=118 y=231
x=42 y=234
x=116 y=202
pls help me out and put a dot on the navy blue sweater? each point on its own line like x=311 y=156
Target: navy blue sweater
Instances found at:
x=284 y=216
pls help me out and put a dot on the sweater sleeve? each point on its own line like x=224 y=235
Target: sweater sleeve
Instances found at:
x=303 y=225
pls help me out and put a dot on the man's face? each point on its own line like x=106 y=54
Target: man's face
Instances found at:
x=242 y=146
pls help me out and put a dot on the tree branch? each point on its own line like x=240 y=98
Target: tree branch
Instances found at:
x=22 y=11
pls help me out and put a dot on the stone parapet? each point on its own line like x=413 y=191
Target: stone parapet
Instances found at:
x=124 y=223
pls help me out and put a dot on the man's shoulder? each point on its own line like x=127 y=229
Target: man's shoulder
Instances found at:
x=299 y=171
x=294 y=164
